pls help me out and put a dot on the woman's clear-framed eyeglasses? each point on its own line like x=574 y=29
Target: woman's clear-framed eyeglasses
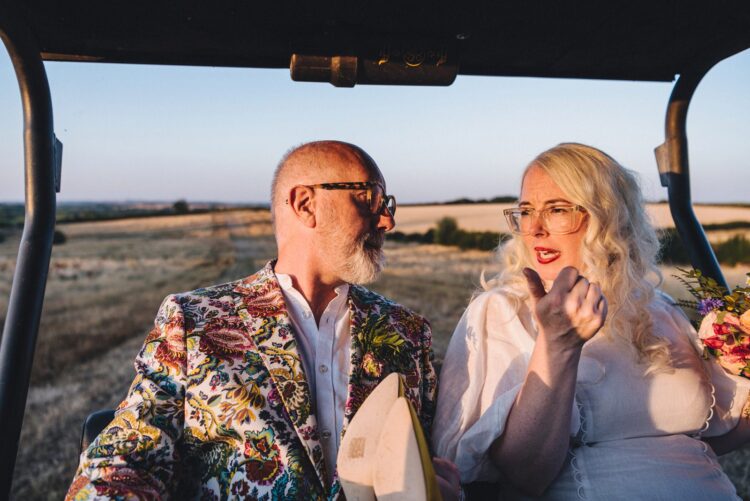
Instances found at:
x=556 y=219
x=377 y=200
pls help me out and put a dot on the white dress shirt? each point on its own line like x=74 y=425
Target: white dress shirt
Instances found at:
x=324 y=350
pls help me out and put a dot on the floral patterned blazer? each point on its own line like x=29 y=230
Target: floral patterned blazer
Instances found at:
x=220 y=407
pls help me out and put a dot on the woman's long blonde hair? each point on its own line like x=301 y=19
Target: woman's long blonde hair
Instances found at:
x=620 y=245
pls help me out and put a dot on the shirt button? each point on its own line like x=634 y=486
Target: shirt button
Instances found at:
x=326 y=434
x=306 y=314
x=323 y=369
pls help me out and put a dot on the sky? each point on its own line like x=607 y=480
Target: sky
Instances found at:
x=158 y=133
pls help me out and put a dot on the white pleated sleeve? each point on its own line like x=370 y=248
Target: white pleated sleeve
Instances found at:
x=484 y=368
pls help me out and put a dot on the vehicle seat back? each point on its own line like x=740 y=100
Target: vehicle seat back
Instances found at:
x=94 y=425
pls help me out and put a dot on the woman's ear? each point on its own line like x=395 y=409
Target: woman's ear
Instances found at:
x=301 y=200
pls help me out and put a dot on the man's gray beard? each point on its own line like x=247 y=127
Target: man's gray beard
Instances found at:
x=363 y=263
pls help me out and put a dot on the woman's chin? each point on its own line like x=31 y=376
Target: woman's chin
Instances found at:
x=546 y=272
x=549 y=272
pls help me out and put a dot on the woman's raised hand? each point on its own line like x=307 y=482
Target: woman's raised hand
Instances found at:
x=571 y=312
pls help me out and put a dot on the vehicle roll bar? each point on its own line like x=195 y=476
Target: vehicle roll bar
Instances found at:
x=674 y=172
x=42 y=153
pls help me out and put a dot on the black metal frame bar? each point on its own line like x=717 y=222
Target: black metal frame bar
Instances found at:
x=41 y=155
x=672 y=159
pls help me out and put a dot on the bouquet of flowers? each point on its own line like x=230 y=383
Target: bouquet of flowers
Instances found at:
x=725 y=328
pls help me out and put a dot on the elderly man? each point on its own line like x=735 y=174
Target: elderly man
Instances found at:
x=245 y=389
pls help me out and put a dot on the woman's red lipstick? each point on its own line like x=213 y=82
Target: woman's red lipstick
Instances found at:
x=545 y=255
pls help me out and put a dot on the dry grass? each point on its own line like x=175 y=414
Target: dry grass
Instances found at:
x=435 y=281
x=107 y=281
x=489 y=217
x=104 y=287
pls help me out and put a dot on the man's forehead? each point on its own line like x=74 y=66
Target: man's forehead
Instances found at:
x=331 y=165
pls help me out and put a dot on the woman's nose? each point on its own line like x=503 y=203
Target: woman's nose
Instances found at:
x=537 y=226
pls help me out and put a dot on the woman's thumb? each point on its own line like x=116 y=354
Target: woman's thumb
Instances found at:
x=536 y=287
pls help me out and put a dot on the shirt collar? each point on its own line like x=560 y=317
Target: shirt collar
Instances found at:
x=285 y=281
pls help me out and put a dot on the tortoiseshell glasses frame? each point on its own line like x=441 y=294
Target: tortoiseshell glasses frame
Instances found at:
x=377 y=199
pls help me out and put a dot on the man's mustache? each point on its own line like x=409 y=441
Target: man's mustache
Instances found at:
x=376 y=239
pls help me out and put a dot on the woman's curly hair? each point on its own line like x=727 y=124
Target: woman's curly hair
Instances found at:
x=620 y=245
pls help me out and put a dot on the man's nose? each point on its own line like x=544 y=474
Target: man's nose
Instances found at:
x=386 y=221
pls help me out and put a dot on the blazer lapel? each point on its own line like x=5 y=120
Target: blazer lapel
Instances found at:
x=367 y=369
x=260 y=305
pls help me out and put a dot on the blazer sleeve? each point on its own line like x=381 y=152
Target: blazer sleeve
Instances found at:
x=429 y=380
x=133 y=457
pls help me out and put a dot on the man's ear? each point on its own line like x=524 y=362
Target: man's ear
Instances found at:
x=302 y=202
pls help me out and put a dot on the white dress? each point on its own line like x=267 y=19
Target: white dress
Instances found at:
x=632 y=436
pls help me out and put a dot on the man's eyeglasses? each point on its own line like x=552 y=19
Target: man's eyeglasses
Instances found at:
x=377 y=200
x=556 y=219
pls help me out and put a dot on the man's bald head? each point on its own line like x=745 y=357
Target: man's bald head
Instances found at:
x=319 y=162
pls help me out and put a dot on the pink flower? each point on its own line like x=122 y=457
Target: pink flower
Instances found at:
x=706 y=328
x=732 y=320
x=225 y=338
x=741 y=351
x=745 y=322
x=713 y=342
x=721 y=329
x=733 y=365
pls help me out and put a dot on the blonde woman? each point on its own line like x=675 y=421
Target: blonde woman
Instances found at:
x=570 y=376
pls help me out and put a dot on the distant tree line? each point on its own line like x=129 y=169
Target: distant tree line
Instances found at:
x=447 y=232
x=12 y=215
x=733 y=251
x=495 y=200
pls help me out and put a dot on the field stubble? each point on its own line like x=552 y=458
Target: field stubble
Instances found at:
x=105 y=285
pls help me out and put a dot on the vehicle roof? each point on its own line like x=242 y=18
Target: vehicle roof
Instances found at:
x=613 y=39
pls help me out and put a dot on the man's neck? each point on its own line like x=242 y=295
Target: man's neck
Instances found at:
x=317 y=288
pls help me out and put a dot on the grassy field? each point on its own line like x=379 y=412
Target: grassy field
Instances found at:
x=489 y=217
x=105 y=285
x=108 y=279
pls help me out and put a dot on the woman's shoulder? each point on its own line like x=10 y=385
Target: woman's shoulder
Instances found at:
x=665 y=304
x=670 y=321
x=497 y=302
x=496 y=314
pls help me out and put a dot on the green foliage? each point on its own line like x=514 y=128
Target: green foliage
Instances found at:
x=181 y=207
x=699 y=285
x=493 y=200
x=446 y=231
x=420 y=238
x=59 y=238
x=733 y=251
x=731 y=225
x=482 y=240
x=11 y=215
x=672 y=250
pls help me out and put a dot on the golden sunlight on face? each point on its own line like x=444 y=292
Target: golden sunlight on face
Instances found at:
x=550 y=253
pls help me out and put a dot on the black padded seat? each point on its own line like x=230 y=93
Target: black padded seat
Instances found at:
x=94 y=425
